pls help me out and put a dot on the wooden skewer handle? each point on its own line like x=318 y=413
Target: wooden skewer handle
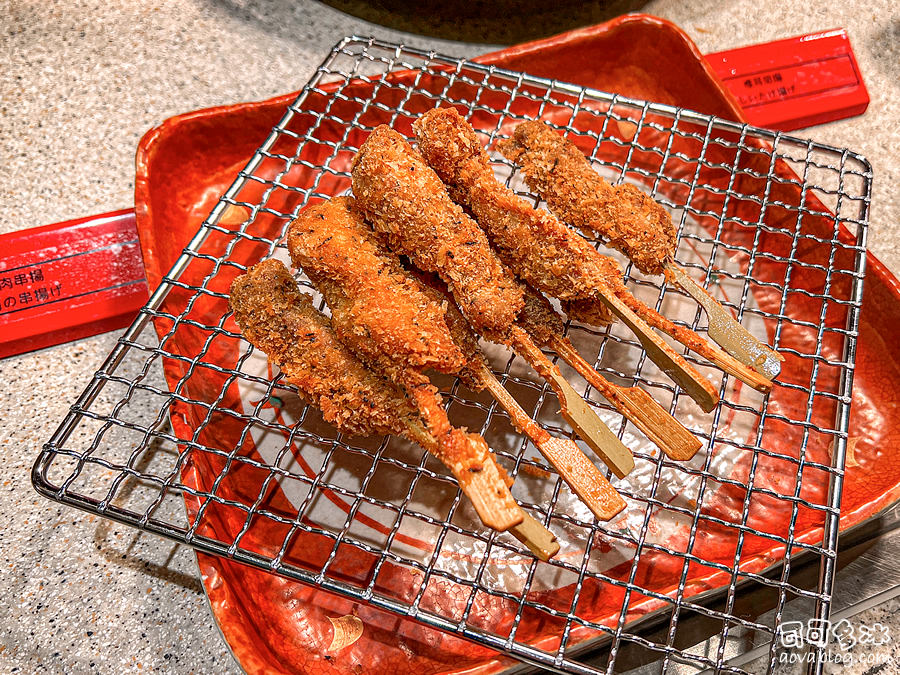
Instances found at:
x=520 y=419
x=579 y=473
x=668 y=433
x=636 y=405
x=539 y=540
x=486 y=489
x=726 y=362
x=577 y=413
x=482 y=492
x=664 y=356
x=583 y=476
x=727 y=332
x=698 y=345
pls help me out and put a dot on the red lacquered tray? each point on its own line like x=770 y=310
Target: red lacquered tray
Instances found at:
x=274 y=625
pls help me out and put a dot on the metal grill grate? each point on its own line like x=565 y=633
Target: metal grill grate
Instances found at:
x=261 y=474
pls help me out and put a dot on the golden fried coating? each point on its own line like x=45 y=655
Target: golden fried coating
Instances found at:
x=377 y=309
x=461 y=330
x=277 y=318
x=404 y=199
x=628 y=219
x=386 y=317
x=539 y=319
x=590 y=312
x=542 y=251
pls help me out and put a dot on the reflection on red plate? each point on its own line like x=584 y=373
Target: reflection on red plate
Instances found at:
x=274 y=625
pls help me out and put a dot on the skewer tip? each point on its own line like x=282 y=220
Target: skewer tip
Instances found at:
x=539 y=540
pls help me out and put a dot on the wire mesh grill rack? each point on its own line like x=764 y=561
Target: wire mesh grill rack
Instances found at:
x=184 y=412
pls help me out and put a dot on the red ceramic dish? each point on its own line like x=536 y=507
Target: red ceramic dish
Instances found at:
x=186 y=163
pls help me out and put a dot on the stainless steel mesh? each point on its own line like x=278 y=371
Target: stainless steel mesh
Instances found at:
x=773 y=225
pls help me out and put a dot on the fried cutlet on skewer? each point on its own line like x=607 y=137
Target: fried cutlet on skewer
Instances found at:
x=376 y=311
x=547 y=328
x=277 y=318
x=628 y=220
x=407 y=202
x=281 y=321
x=549 y=255
x=537 y=247
x=393 y=321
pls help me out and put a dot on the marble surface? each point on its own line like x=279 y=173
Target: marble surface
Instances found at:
x=80 y=82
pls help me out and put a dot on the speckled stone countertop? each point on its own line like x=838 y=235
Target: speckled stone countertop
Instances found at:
x=80 y=82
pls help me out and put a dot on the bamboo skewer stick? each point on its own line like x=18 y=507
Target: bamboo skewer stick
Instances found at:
x=695 y=343
x=539 y=540
x=489 y=493
x=482 y=489
x=579 y=473
x=635 y=404
x=727 y=332
x=278 y=319
x=577 y=413
x=582 y=477
x=584 y=311
x=546 y=327
x=496 y=508
x=674 y=365
x=486 y=487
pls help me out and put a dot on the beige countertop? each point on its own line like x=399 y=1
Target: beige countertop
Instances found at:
x=80 y=82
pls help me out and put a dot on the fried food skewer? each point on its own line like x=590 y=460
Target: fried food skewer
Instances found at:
x=546 y=327
x=630 y=221
x=281 y=321
x=549 y=255
x=380 y=315
x=406 y=201
x=392 y=320
x=541 y=250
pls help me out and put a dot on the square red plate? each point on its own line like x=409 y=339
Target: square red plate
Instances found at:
x=275 y=625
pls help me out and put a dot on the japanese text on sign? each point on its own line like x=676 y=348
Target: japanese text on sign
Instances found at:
x=18 y=290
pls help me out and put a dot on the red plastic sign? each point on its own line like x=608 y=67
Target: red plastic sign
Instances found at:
x=69 y=280
x=794 y=83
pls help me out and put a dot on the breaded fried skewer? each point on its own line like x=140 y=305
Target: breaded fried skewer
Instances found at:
x=387 y=323
x=538 y=248
x=552 y=257
x=277 y=318
x=630 y=221
x=384 y=318
x=546 y=327
x=393 y=321
x=406 y=201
